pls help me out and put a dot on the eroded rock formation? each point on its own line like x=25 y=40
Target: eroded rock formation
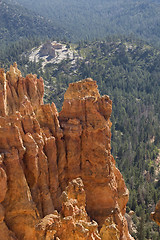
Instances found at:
x=73 y=221
x=155 y=216
x=41 y=152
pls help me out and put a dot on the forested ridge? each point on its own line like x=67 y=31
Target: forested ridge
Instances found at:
x=17 y=22
x=91 y=19
x=129 y=72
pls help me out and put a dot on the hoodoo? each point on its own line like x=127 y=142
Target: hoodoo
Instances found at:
x=54 y=165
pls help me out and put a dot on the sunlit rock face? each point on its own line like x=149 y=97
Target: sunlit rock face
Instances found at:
x=43 y=151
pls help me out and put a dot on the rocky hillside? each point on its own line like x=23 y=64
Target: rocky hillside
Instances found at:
x=41 y=152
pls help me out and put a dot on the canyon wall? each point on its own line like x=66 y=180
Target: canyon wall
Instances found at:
x=47 y=159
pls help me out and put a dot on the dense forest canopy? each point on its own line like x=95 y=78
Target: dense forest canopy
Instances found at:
x=90 y=19
x=17 y=22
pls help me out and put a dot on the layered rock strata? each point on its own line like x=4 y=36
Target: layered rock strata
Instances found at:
x=41 y=151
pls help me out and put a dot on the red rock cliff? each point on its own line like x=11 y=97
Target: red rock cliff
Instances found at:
x=41 y=152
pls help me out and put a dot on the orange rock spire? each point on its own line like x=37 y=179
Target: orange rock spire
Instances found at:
x=41 y=152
